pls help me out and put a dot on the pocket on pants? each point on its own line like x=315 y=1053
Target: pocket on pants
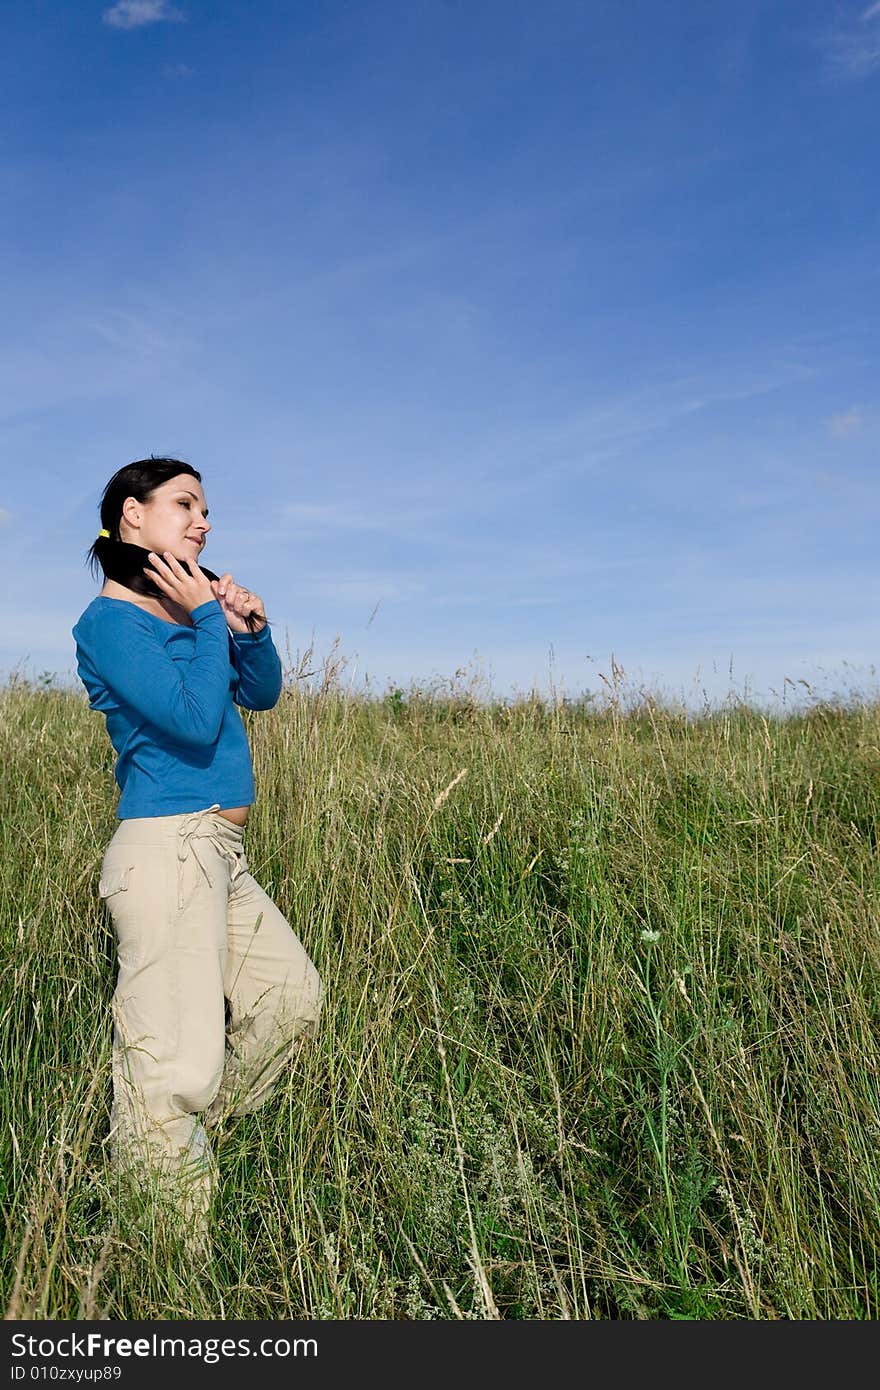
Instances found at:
x=114 y=888
x=114 y=881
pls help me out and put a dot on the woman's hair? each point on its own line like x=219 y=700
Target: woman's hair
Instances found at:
x=117 y=558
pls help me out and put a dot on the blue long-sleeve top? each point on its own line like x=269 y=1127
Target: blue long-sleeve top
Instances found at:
x=169 y=695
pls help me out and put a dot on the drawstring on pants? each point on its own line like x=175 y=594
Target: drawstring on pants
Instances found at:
x=196 y=827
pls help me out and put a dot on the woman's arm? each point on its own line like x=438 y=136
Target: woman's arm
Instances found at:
x=259 y=669
x=184 y=700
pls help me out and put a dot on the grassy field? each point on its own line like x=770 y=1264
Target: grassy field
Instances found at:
x=602 y=1030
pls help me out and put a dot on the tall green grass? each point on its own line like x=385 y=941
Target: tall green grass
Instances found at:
x=601 y=1026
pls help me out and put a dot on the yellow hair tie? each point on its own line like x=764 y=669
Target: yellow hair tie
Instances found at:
x=104 y=533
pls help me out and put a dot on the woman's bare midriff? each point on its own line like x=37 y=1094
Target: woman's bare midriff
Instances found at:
x=178 y=616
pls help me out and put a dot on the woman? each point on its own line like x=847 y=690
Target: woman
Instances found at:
x=214 y=989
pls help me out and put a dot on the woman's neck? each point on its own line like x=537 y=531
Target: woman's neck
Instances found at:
x=163 y=608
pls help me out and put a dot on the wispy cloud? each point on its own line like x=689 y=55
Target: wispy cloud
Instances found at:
x=134 y=14
x=4 y=516
x=598 y=435
x=337 y=516
x=853 y=50
x=138 y=336
x=851 y=421
x=90 y=352
x=363 y=587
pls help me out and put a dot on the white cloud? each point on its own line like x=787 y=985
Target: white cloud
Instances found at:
x=134 y=14
x=855 y=51
x=850 y=422
x=88 y=353
x=362 y=588
x=4 y=516
x=337 y=516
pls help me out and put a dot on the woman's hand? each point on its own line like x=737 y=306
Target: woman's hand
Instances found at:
x=237 y=603
x=186 y=587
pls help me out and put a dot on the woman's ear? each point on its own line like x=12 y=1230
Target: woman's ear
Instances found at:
x=131 y=512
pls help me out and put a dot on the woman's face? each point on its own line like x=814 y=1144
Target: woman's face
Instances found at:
x=174 y=518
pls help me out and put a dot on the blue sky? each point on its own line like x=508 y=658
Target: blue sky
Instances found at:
x=507 y=337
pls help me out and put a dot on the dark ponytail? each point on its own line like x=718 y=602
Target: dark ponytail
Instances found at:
x=118 y=559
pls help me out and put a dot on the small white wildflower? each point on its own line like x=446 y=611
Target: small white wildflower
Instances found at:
x=650 y=936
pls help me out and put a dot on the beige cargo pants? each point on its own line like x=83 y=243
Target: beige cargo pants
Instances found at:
x=195 y=932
